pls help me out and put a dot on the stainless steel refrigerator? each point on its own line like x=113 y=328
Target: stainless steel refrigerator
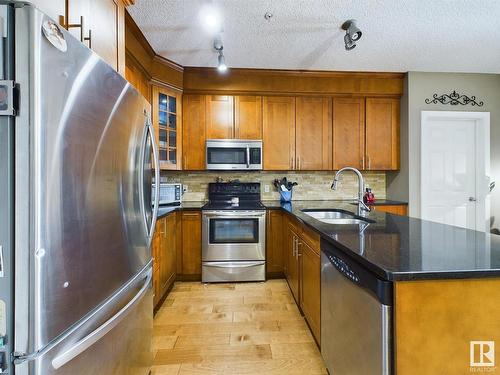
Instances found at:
x=77 y=158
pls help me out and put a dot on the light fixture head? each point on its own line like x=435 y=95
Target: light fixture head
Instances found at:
x=352 y=34
x=349 y=43
x=221 y=63
x=218 y=45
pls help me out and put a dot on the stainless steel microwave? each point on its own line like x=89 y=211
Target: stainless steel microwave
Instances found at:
x=170 y=194
x=234 y=154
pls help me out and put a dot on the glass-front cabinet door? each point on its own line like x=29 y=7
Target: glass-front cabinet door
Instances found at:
x=167 y=121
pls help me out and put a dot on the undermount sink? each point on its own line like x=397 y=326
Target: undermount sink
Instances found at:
x=336 y=217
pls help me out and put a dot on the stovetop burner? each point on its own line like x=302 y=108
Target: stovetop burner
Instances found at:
x=234 y=196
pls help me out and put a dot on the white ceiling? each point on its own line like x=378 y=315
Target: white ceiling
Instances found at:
x=398 y=35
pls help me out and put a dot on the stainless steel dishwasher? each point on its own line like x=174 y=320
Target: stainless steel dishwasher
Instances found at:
x=356 y=316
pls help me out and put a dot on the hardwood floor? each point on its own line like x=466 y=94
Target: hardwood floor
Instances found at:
x=251 y=328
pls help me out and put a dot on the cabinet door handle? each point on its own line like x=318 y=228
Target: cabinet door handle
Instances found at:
x=82 y=29
x=298 y=249
x=363 y=162
x=291 y=162
x=298 y=162
x=190 y=214
x=369 y=162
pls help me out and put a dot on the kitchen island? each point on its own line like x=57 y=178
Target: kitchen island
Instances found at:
x=446 y=284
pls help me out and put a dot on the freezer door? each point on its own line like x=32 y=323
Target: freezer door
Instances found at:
x=115 y=340
x=81 y=193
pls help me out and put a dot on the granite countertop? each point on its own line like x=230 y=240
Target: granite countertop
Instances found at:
x=398 y=248
x=194 y=205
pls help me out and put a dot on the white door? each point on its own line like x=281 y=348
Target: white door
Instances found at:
x=455 y=168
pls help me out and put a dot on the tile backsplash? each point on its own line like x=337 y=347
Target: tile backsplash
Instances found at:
x=311 y=185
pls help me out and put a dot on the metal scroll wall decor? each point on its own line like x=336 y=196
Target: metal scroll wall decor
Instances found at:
x=454 y=99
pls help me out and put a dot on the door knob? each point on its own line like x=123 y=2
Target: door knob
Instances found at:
x=472 y=199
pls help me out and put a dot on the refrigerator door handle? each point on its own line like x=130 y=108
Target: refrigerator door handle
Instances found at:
x=149 y=132
x=100 y=332
x=156 y=156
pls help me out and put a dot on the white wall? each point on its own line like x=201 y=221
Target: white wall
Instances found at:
x=405 y=184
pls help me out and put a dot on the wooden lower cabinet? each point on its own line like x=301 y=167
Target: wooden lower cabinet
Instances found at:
x=293 y=264
x=164 y=251
x=191 y=245
x=400 y=209
x=156 y=253
x=176 y=251
x=169 y=252
x=436 y=319
x=274 y=250
x=310 y=292
x=302 y=268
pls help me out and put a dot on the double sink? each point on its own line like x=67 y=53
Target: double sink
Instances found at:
x=337 y=217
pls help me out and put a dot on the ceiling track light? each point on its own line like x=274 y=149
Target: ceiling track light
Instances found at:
x=352 y=34
x=221 y=60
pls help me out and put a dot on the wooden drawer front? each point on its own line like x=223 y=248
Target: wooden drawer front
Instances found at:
x=311 y=238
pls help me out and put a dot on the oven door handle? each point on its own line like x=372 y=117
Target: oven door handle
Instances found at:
x=224 y=215
x=233 y=264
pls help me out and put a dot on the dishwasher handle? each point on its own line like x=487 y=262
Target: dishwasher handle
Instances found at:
x=358 y=274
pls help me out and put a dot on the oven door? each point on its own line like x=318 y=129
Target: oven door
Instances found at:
x=234 y=235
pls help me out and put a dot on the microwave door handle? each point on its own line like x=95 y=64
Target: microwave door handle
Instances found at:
x=248 y=156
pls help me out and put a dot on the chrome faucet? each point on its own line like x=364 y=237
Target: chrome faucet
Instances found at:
x=362 y=207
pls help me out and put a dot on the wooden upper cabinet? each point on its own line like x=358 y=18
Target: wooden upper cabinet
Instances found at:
x=104 y=30
x=138 y=77
x=314 y=133
x=382 y=134
x=348 y=132
x=220 y=117
x=248 y=117
x=168 y=125
x=278 y=133
x=100 y=25
x=193 y=135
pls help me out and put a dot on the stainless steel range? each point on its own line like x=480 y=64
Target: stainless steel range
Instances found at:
x=234 y=233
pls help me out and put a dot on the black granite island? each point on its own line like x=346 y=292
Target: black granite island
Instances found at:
x=403 y=248
x=445 y=283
